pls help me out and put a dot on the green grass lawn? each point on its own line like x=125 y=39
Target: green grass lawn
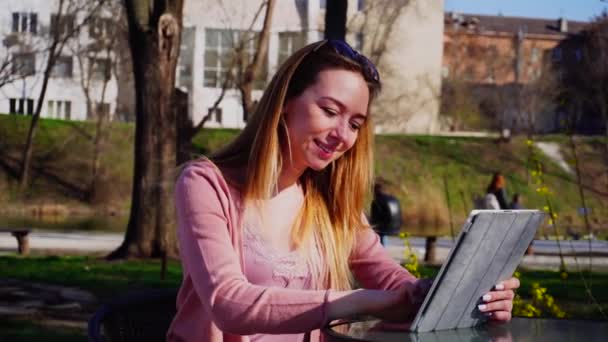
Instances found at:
x=102 y=278
x=109 y=279
x=25 y=331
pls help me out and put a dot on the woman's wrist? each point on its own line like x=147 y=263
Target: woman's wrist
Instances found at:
x=344 y=304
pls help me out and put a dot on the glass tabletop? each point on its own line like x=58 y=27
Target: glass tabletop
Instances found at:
x=519 y=329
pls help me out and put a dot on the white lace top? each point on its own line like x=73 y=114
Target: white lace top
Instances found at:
x=265 y=266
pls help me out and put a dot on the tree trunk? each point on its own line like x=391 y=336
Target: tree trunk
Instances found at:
x=253 y=68
x=335 y=19
x=246 y=100
x=98 y=148
x=26 y=158
x=154 y=37
x=184 y=126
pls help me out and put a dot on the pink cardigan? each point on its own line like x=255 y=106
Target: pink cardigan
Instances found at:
x=216 y=302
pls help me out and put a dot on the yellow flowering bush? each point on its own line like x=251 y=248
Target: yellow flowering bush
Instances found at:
x=540 y=304
x=410 y=258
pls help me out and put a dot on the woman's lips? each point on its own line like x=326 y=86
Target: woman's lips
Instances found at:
x=325 y=151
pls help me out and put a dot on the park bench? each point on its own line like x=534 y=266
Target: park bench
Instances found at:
x=21 y=234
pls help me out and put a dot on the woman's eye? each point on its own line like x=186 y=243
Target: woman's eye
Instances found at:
x=355 y=126
x=329 y=111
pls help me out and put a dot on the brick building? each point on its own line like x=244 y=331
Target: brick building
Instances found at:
x=498 y=56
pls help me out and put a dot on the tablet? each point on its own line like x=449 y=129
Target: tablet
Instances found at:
x=488 y=249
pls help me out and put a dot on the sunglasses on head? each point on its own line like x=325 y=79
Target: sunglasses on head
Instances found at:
x=345 y=50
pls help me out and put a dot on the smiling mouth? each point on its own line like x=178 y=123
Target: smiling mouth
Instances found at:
x=324 y=147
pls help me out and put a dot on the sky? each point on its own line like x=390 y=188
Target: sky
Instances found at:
x=579 y=10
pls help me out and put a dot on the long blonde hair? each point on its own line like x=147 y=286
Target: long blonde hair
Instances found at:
x=333 y=197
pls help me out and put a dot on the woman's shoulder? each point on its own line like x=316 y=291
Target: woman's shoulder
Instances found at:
x=204 y=169
x=200 y=167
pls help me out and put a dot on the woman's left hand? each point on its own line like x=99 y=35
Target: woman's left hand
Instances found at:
x=498 y=303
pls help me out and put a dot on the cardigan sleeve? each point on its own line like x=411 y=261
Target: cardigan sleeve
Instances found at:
x=373 y=267
x=211 y=261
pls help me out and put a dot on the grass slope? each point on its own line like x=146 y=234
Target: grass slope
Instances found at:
x=416 y=167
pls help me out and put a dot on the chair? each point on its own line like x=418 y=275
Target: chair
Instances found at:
x=137 y=316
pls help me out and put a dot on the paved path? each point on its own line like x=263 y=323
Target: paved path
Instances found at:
x=546 y=252
x=76 y=241
x=552 y=151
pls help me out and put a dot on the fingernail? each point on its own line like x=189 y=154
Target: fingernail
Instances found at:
x=482 y=307
x=499 y=287
x=486 y=298
x=488 y=314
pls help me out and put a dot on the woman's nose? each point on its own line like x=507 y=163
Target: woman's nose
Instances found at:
x=342 y=132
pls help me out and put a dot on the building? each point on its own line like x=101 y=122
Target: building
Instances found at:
x=501 y=55
x=402 y=36
x=83 y=70
x=211 y=32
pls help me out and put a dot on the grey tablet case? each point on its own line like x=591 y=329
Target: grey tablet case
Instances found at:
x=488 y=249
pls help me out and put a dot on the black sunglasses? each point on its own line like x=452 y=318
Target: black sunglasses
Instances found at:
x=345 y=50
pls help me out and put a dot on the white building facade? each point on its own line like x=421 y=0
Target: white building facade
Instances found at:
x=408 y=52
x=26 y=28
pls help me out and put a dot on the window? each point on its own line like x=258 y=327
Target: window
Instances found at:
x=59 y=109
x=100 y=27
x=24 y=64
x=100 y=68
x=491 y=75
x=216 y=115
x=556 y=54
x=445 y=71
x=221 y=58
x=469 y=73
x=67 y=113
x=63 y=25
x=578 y=55
x=359 y=41
x=63 y=67
x=50 y=108
x=360 y=5
x=25 y=22
x=289 y=42
x=535 y=55
x=12 y=104
x=21 y=106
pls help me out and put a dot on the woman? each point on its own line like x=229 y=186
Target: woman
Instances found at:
x=271 y=227
x=497 y=188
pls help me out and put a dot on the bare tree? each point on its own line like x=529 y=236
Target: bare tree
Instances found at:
x=244 y=71
x=377 y=29
x=475 y=88
x=10 y=69
x=252 y=68
x=379 y=21
x=82 y=11
x=585 y=77
x=595 y=65
x=155 y=29
x=97 y=59
x=23 y=38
